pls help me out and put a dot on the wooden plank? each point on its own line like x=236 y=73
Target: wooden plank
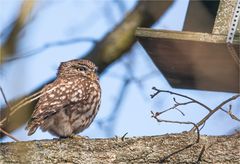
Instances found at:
x=185 y=35
x=193 y=60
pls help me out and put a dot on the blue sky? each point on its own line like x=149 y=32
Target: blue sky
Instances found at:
x=61 y=20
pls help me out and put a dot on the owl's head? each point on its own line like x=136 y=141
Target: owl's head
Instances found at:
x=78 y=67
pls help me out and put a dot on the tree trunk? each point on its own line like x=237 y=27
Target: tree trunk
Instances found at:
x=152 y=149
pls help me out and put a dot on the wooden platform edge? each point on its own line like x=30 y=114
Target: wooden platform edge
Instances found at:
x=183 y=35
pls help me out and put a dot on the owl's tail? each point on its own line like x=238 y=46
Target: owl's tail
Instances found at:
x=32 y=127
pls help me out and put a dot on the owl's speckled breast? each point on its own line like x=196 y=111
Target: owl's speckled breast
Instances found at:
x=70 y=103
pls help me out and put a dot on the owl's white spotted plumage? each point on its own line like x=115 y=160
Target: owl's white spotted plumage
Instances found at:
x=70 y=103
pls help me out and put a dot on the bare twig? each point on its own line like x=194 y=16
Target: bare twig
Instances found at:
x=196 y=126
x=202 y=126
x=7 y=117
x=201 y=154
x=123 y=137
x=211 y=111
x=9 y=135
x=6 y=102
x=229 y=112
x=215 y=110
x=181 y=95
x=4 y=97
x=175 y=107
x=25 y=102
x=180 y=111
x=50 y=45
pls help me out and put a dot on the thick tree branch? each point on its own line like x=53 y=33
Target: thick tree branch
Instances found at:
x=221 y=149
x=9 y=46
x=121 y=39
x=109 y=49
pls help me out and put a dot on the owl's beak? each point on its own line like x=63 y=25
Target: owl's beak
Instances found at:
x=94 y=76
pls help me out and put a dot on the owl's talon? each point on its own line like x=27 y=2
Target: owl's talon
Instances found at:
x=74 y=136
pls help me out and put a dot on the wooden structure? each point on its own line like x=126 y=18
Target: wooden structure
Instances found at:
x=198 y=57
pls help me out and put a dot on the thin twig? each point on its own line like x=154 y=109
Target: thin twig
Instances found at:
x=180 y=111
x=175 y=107
x=181 y=95
x=123 y=137
x=201 y=154
x=6 y=102
x=215 y=110
x=4 y=97
x=25 y=102
x=196 y=126
x=211 y=111
x=9 y=135
x=50 y=45
x=202 y=126
x=27 y=99
x=229 y=112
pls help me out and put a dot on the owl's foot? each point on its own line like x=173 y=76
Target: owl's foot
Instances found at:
x=74 y=136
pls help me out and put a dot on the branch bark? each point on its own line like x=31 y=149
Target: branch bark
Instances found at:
x=210 y=149
x=112 y=47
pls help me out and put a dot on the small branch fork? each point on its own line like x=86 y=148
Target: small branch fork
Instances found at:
x=7 y=116
x=175 y=107
x=6 y=102
x=196 y=126
x=210 y=111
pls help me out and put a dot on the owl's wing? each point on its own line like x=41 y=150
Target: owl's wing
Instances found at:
x=59 y=95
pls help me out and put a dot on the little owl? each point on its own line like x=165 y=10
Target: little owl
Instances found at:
x=70 y=103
